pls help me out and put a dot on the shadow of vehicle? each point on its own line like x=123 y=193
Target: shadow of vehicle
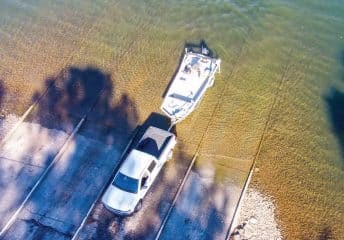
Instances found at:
x=197 y=47
x=156 y=120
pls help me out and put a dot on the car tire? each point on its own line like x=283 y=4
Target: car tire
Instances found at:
x=138 y=206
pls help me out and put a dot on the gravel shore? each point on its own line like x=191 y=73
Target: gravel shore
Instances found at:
x=256 y=218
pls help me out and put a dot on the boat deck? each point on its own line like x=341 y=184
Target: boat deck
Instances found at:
x=192 y=79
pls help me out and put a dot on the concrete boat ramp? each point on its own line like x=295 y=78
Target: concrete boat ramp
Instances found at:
x=57 y=162
x=57 y=207
x=54 y=164
x=63 y=197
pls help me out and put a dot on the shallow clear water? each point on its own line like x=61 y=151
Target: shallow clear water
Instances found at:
x=294 y=49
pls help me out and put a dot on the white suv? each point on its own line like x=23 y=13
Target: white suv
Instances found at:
x=138 y=171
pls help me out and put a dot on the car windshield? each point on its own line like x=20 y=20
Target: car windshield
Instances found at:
x=126 y=183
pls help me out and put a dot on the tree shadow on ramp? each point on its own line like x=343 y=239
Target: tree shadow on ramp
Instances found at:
x=67 y=191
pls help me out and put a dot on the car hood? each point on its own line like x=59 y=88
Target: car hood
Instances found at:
x=118 y=199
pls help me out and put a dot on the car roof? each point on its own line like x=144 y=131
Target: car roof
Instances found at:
x=136 y=162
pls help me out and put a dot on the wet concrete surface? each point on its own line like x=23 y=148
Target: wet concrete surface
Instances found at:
x=23 y=160
x=102 y=224
x=110 y=125
x=204 y=209
x=59 y=204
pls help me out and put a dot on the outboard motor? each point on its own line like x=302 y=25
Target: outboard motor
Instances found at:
x=204 y=50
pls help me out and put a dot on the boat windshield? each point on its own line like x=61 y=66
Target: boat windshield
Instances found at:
x=126 y=183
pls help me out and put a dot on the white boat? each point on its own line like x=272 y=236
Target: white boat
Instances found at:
x=195 y=75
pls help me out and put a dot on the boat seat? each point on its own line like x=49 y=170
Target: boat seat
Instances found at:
x=181 y=97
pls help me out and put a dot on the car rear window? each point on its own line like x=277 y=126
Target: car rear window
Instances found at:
x=126 y=183
x=149 y=146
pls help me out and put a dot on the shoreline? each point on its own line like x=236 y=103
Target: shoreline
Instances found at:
x=257 y=218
